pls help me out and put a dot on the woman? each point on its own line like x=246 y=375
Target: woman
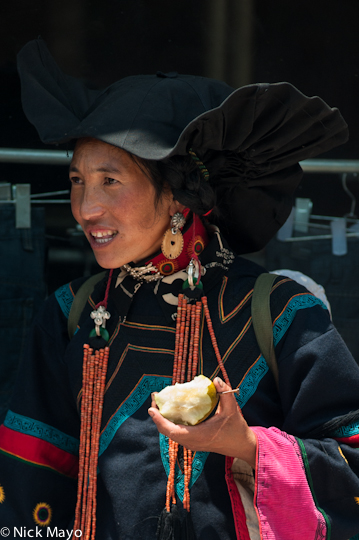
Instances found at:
x=93 y=454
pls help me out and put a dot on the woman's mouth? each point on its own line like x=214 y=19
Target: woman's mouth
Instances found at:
x=102 y=237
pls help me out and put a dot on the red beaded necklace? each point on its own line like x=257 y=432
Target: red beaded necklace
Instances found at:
x=186 y=360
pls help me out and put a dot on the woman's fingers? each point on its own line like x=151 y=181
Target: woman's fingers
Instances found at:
x=153 y=402
x=176 y=432
x=226 y=432
x=192 y=437
x=227 y=402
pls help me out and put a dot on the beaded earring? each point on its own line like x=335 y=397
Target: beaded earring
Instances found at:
x=172 y=243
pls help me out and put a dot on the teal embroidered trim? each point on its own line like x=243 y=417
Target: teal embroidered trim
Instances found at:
x=250 y=383
x=311 y=487
x=346 y=431
x=147 y=385
x=356 y=537
x=197 y=466
x=42 y=431
x=65 y=298
x=260 y=368
x=282 y=324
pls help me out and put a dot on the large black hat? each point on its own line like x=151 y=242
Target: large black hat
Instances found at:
x=251 y=139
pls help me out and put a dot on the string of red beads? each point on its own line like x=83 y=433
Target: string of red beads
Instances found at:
x=93 y=389
x=187 y=341
x=214 y=340
x=191 y=343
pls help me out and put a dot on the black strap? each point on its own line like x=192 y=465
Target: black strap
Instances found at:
x=262 y=320
x=79 y=302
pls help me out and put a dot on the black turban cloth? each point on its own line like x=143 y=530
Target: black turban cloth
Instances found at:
x=250 y=139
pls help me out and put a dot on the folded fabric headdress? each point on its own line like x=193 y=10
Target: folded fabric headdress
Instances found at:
x=250 y=139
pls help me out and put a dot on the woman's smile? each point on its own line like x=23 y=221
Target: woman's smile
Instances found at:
x=98 y=238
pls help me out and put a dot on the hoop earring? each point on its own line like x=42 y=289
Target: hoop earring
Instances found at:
x=172 y=243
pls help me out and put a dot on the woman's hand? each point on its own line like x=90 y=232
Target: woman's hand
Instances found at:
x=226 y=432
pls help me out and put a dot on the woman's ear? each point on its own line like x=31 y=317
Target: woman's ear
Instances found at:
x=175 y=206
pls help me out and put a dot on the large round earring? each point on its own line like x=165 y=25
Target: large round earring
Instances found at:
x=172 y=243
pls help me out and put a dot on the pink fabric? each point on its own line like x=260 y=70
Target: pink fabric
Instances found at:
x=283 y=500
x=239 y=514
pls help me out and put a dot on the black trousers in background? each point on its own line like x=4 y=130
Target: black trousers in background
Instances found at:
x=22 y=291
x=339 y=275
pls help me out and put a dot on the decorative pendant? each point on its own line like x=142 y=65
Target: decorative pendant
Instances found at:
x=100 y=316
x=195 y=271
x=172 y=244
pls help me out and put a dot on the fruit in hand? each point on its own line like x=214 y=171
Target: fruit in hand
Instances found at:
x=188 y=403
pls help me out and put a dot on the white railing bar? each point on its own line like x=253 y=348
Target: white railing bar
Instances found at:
x=62 y=157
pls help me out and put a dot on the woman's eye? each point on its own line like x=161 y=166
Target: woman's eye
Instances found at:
x=75 y=180
x=110 y=181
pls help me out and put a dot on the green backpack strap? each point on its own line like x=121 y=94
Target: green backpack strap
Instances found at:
x=262 y=320
x=79 y=302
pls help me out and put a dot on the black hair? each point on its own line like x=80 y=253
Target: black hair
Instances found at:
x=181 y=175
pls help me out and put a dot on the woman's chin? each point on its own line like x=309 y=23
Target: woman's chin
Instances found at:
x=107 y=261
x=110 y=258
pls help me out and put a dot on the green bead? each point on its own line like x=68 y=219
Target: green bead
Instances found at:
x=186 y=284
x=104 y=333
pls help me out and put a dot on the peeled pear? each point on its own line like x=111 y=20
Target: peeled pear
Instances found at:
x=188 y=403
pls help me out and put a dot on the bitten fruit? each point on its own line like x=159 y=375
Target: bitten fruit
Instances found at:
x=188 y=403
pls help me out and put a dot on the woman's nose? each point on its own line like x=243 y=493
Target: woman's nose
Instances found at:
x=92 y=204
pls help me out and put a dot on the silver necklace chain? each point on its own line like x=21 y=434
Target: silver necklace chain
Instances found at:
x=143 y=273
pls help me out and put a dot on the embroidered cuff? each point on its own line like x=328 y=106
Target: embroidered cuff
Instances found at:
x=283 y=499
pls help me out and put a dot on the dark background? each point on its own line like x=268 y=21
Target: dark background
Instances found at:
x=313 y=45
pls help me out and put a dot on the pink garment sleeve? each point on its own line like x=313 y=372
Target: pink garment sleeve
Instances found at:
x=282 y=498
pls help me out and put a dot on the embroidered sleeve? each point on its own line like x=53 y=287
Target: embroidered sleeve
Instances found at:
x=307 y=474
x=39 y=437
x=283 y=498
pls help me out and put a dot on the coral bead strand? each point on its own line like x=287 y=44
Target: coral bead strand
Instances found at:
x=178 y=326
x=175 y=453
x=185 y=342
x=190 y=351
x=181 y=340
x=196 y=338
x=90 y=494
x=104 y=355
x=82 y=444
x=88 y=393
x=85 y=419
x=93 y=454
x=214 y=341
x=187 y=476
x=172 y=451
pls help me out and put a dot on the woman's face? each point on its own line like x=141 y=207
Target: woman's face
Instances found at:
x=115 y=203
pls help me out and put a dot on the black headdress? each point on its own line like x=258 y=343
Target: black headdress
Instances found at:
x=250 y=139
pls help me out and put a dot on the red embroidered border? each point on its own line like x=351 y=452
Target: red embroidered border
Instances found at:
x=239 y=515
x=350 y=441
x=38 y=452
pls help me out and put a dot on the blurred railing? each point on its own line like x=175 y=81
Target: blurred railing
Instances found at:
x=62 y=157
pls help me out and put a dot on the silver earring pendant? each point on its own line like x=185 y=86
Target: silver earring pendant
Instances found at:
x=172 y=243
